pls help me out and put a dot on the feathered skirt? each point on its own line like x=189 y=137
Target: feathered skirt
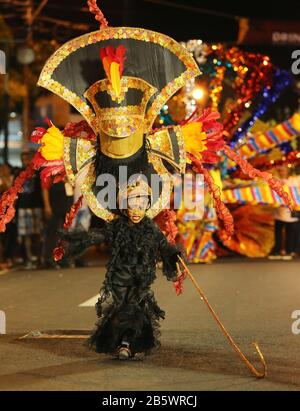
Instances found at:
x=127 y=311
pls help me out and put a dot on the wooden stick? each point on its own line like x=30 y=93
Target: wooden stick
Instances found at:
x=53 y=336
x=254 y=371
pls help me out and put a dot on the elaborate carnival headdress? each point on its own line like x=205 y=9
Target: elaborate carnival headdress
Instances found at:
x=140 y=71
x=119 y=78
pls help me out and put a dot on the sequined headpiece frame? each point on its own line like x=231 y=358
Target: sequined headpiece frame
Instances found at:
x=153 y=57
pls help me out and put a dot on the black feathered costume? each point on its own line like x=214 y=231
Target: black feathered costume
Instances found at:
x=127 y=308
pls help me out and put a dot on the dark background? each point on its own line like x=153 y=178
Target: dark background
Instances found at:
x=182 y=19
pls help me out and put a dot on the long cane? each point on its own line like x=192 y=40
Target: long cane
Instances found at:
x=255 y=372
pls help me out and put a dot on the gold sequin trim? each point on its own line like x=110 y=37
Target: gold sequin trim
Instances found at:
x=167 y=186
x=111 y=113
x=85 y=151
x=67 y=161
x=182 y=151
x=90 y=197
x=161 y=141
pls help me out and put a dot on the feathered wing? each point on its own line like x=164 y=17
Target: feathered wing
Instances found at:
x=48 y=160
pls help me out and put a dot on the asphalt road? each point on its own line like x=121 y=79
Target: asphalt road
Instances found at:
x=255 y=300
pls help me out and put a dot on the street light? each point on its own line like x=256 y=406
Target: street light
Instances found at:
x=25 y=55
x=198 y=93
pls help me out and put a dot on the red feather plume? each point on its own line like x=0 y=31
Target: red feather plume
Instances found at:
x=117 y=55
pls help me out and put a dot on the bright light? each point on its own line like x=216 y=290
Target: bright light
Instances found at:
x=198 y=93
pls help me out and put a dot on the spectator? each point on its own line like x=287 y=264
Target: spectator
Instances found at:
x=286 y=224
x=30 y=217
x=6 y=178
x=10 y=235
x=83 y=217
x=58 y=201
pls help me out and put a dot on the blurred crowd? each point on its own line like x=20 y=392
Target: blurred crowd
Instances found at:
x=32 y=235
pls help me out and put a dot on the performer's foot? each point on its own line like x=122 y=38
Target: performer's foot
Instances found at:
x=124 y=352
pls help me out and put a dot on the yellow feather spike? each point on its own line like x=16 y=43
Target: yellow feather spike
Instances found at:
x=115 y=77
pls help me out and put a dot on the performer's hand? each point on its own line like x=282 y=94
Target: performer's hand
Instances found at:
x=178 y=283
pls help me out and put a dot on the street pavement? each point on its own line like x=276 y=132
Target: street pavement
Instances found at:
x=254 y=299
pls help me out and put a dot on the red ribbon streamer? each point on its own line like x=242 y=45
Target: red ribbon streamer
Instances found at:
x=99 y=16
x=7 y=210
x=222 y=211
x=273 y=182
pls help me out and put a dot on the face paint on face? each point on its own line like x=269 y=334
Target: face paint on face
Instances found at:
x=136 y=215
x=137 y=207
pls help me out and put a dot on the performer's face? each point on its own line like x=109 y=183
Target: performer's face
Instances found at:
x=137 y=207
